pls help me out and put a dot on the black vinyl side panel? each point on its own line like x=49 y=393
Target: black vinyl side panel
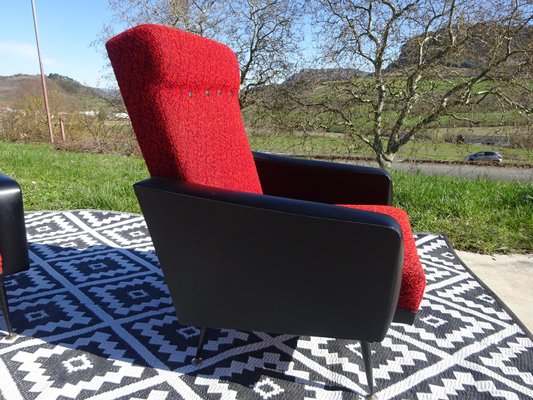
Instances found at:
x=253 y=262
x=13 y=241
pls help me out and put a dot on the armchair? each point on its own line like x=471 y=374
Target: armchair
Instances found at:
x=256 y=241
x=13 y=242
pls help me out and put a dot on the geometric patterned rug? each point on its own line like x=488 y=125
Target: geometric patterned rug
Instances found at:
x=95 y=320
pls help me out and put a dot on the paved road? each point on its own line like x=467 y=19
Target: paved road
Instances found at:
x=468 y=171
x=471 y=171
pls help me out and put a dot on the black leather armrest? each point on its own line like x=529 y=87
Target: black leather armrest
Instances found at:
x=324 y=182
x=226 y=255
x=13 y=242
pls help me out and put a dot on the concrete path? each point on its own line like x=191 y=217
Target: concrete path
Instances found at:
x=510 y=277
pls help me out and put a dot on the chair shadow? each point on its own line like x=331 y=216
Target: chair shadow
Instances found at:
x=109 y=306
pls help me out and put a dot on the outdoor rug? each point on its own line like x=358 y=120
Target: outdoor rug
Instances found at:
x=95 y=320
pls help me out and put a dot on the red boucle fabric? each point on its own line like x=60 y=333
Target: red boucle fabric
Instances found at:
x=413 y=277
x=181 y=93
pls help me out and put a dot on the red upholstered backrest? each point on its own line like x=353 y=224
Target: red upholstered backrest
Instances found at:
x=181 y=93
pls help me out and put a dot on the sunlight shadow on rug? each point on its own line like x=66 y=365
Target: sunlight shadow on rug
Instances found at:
x=95 y=319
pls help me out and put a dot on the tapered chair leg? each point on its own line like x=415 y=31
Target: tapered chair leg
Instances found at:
x=5 y=308
x=367 y=360
x=198 y=359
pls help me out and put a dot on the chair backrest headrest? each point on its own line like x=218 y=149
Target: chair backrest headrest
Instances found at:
x=181 y=92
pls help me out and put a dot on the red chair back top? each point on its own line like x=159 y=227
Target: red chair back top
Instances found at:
x=181 y=92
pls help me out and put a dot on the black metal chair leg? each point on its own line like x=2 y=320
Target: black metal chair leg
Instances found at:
x=5 y=308
x=198 y=359
x=367 y=360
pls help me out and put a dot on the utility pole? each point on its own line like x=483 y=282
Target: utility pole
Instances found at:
x=43 y=80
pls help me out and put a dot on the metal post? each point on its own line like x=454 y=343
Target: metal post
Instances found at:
x=62 y=127
x=43 y=80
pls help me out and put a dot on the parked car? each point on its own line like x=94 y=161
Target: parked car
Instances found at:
x=485 y=156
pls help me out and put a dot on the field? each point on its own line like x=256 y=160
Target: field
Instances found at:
x=60 y=180
x=477 y=215
x=338 y=145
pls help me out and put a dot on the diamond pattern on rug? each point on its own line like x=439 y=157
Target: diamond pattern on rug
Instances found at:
x=99 y=219
x=131 y=235
x=34 y=281
x=461 y=293
x=161 y=332
x=95 y=319
x=161 y=391
x=67 y=246
x=50 y=315
x=80 y=366
x=461 y=384
x=448 y=328
x=111 y=264
x=509 y=359
x=131 y=296
x=50 y=224
x=269 y=373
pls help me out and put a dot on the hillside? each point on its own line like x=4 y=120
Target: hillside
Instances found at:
x=476 y=43
x=64 y=93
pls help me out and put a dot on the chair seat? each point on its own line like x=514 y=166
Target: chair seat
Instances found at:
x=413 y=278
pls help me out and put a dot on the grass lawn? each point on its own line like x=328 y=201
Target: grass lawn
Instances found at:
x=60 y=180
x=478 y=215
x=415 y=149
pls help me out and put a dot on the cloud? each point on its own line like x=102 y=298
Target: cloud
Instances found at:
x=23 y=50
x=27 y=51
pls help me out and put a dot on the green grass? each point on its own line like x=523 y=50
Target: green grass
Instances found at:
x=58 y=180
x=415 y=149
x=303 y=144
x=478 y=215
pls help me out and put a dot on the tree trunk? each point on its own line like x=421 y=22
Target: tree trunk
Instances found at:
x=385 y=160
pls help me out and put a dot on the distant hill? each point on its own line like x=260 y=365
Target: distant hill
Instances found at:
x=65 y=93
x=73 y=86
x=479 y=41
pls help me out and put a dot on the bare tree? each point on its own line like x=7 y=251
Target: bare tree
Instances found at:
x=262 y=33
x=264 y=36
x=427 y=59
x=202 y=17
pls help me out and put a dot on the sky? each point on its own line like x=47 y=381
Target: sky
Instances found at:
x=66 y=30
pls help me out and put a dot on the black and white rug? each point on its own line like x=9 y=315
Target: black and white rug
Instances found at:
x=95 y=320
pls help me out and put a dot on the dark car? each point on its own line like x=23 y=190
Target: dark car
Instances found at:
x=485 y=156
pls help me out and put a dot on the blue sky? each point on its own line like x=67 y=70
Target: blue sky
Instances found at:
x=66 y=30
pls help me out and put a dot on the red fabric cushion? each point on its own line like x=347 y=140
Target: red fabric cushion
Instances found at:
x=181 y=93
x=1 y=270
x=413 y=277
